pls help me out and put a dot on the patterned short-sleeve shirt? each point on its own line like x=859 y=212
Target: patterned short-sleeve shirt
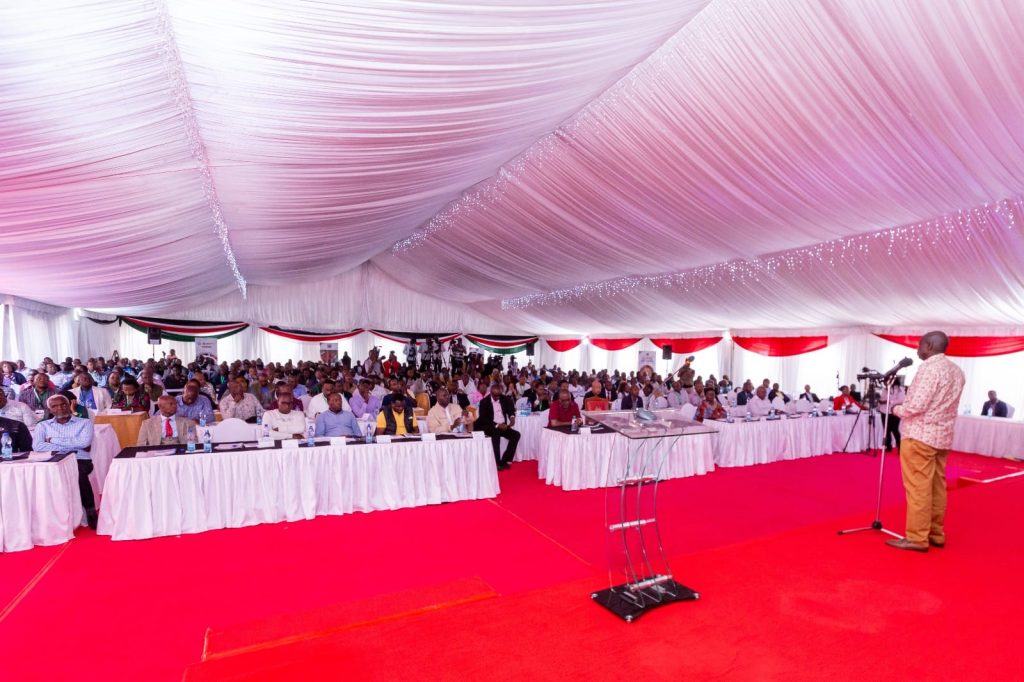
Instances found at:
x=929 y=412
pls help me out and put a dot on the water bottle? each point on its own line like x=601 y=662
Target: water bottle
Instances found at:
x=575 y=425
x=6 y=450
x=259 y=416
x=191 y=447
x=202 y=419
x=266 y=430
x=814 y=411
x=369 y=433
x=309 y=436
x=207 y=441
x=749 y=417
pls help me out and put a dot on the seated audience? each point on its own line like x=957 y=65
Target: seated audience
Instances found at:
x=396 y=418
x=809 y=395
x=36 y=395
x=994 y=406
x=363 y=401
x=746 y=394
x=237 y=404
x=844 y=400
x=130 y=396
x=496 y=418
x=710 y=408
x=777 y=393
x=166 y=427
x=10 y=376
x=540 y=401
x=336 y=421
x=89 y=395
x=21 y=437
x=563 y=410
x=17 y=410
x=195 y=405
x=319 y=402
x=759 y=406
x=632 y=400
x=65 y=432
x=284 y=419
x=445 y=416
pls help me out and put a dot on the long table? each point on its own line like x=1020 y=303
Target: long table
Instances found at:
x=761 y=442
x=150 y=496
x=992 y=436
x=39 y=501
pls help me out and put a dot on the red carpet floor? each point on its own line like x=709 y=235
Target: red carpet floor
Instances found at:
x=499 y=589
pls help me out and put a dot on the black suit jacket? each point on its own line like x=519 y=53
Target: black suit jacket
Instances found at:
x=742 y=397
x=628 y=404
x=21 y=440
x=998 y=409
x=485 y=418
x=812 y=397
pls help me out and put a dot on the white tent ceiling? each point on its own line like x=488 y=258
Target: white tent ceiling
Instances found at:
x=414 y=164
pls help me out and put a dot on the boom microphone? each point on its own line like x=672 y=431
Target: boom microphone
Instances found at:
x=905 y=362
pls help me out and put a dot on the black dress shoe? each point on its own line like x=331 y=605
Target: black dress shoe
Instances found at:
x=502 y=466
x=936 y=545
x=904 y=543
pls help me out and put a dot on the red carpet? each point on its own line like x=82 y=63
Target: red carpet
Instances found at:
x=783 y=597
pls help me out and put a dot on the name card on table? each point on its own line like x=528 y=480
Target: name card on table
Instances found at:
x=428 y=437
x=384 y=440
x=584 y=430
x=478 y=435
x=265 y=442
x=338 y=441
x=290 y=444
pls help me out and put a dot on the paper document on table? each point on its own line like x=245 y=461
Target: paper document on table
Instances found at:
x=155 y=453
x=39 y=456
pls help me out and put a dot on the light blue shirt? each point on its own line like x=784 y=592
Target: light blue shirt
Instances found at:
x=341 y=424
x=201 y=406
x=52 y=436
x=86 y=398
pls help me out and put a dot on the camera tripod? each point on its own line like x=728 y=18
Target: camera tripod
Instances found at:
x=873 y=403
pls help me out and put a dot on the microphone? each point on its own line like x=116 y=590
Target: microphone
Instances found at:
x=905 y=362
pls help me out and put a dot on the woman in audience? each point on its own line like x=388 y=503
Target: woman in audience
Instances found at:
x=11 y=376
x=131 y=397
x=710 y=408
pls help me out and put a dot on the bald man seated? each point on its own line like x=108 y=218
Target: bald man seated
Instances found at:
x=166 y=427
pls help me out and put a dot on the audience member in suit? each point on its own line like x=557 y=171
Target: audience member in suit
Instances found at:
x=809 y=395
x=996 y=407
x=21 y=439
x=746 y=394
x=496 y=418
x=165 y=427
x=632 y=399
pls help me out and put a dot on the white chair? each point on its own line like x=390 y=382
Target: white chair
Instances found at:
x=802 y=406
x=617 y=404
x=738 y=410
x=305 y=399
x=231 y=431
x=688 y=410
x=779 y=404
x=825 y=405
x=422 y=424
x=1009 y=411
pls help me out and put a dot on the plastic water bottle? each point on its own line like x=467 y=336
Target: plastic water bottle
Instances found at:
x=575 y=425
x=749 y=417
x=207 y=441
x=266 y=430
x=6 y=449
x=202 y=419
x=259 y=416
x=309 y=436
x=728 y=418
x=369 y=433
x=191 y=447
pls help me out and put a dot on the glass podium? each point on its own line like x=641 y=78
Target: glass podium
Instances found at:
x=639 y=577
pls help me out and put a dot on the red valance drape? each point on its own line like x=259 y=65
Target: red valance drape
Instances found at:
x=562 y=345
x=967 y=346
x=691 y=345
x=614 y=344
x=781 y=346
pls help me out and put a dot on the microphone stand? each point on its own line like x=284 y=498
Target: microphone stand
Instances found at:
x=877 y=523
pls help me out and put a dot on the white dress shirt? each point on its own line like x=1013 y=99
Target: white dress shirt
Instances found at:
x=293 y=422
x=15 y=409
x=759 y=407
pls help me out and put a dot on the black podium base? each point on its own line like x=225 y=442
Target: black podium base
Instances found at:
x=629 y=605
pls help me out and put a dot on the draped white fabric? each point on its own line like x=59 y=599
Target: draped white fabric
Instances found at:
x=996 y=437
x=39 y=503
x=105 y=447
x=762 y=442
x=170 y=495
x=579 y=462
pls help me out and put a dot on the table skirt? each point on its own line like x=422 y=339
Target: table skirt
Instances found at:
x=171 y=495
x=993 y=436
x=39 y=503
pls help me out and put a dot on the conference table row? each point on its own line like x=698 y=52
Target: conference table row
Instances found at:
x=148 y=492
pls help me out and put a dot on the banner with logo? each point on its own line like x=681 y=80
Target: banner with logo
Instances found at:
x=206 y=347
x=329 y=351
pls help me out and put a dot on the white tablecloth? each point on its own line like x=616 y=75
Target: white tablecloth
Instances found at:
x=996 y=437
x=530 y=428
x=154 y=496
x=746 y=443
x=39 y=503
x=577 y=462
x=105 y=447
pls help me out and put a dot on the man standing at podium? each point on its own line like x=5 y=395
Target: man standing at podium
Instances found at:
x=928 y=416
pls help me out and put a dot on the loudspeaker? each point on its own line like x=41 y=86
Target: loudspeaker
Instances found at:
x=666 y=352
x=154 y=336
x=529 y=350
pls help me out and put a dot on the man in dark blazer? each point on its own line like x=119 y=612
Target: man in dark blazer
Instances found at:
x=994 y=406
x=809 y=396
x=632 y=399
x=21 y=439
x=497 y=416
